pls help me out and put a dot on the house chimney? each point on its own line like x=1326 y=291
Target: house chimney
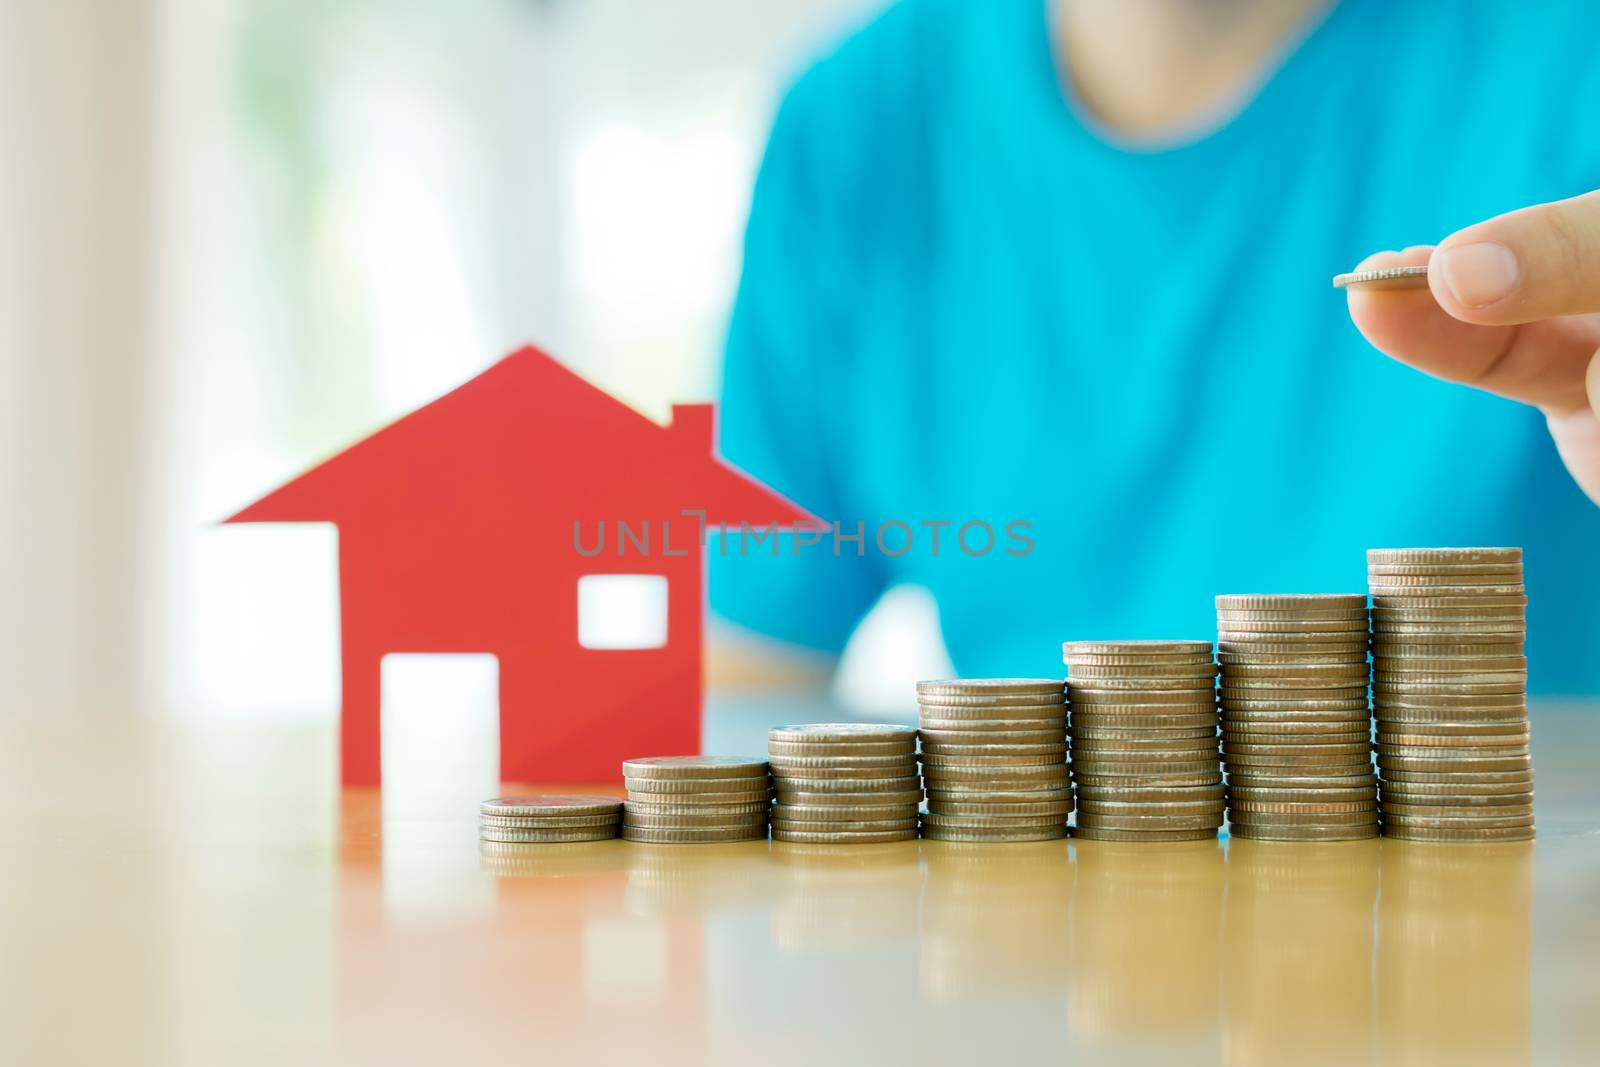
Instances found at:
x=693 y=424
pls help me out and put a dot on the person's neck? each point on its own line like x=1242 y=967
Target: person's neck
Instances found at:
x=1145 y=67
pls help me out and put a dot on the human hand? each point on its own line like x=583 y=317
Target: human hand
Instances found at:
x=1512 y=307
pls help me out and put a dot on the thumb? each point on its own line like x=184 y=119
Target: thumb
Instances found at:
x=1592 y=380
x=1536 y=263
x=1577 y=436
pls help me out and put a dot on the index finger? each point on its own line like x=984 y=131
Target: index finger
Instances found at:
x=1539 y=363
x=1536 y=263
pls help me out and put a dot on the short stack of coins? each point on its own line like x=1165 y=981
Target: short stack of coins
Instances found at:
x=844 y=783
x=549 y=819
x=1450 y=692
x=683 y=800
x=994 y=758
x=1296 y=724
x=1143 y=733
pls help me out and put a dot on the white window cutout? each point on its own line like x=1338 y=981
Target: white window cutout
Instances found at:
x=622 y=611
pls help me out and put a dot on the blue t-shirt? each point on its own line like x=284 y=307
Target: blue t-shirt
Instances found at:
x=961 y=301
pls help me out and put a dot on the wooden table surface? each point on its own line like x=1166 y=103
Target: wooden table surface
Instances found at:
x=178 y=895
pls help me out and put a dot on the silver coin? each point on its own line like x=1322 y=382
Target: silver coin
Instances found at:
x=548 y=822
x=1233 y=704
x=1231 y=696
x=995 y=822
x=988 y=686
x=507 y=835
x=994 y=835
x=843 y=837
x=1136 y=659
x=843 y=732
x=1384 y=278
x=801 y=798
x=1210 y=775
x=938 y=728
x=838 y=750
x=1365 y=816
x=902 y=769
x=686 y=822
x=1274 y=629
x=694 y=767
x=552 y=804
x=1443 y=568
x=1235 y=716
x=1458 y=777
x=1444 y=555
x=1080 y=671
x=1101 y=772
x=817 y=784
x=1390 y=589
x=1431 y=664
x=1354 y=659
x=1136 y=647
x=1396 y=741
x=1207 y=821
x=1289 y=601
x=1349 y=741
x=980 y=712
x=1266 y=731
x=1060 y=808
x=1464 y=790
x=1170 y=807
x=1460 y=805
x=1417 y=833
x=780 y=822
x=672 y=836
x=1304 y=833
x=940 y=749
x=1142 y=837
x=935 y=762
x=722 y=787
x=1151 y=794
x=938 y=775
x=991 y=794
x=1264 y=645
x=1453 y=728
x=902 y=763
x=1366 y=796
x=1339 y=781
x=1114 y=733
x=1233 y=673
x=648 y=808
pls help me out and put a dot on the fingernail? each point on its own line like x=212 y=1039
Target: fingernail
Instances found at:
x=1481 y=274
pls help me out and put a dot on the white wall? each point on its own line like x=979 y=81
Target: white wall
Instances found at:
x=238 y=234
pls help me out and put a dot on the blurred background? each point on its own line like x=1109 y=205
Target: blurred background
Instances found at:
x=239 y=234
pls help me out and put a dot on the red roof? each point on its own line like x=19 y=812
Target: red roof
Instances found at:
x=527 y=440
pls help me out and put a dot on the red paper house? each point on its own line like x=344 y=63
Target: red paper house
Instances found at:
x=457 y=534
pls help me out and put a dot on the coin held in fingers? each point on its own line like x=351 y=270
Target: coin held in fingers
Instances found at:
x=1384 y=278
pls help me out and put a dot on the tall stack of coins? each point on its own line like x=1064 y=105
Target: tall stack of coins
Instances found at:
x=549 y=819
x=684 y=800
x=1144 y=739
x=1450 y=691
x=994 y=757
x=844 y=783
x=1296 y=727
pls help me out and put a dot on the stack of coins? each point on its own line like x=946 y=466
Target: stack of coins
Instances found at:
x=549 y=819
x=1296 y=727
x=1450 y=692
x=1144 y=739
x=844 y=783
x=994 y=757
x=683 y=800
